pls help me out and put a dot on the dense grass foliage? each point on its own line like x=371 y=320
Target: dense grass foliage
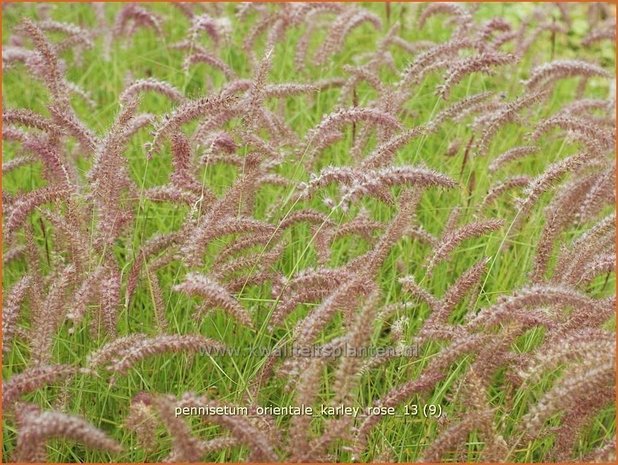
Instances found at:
x=404 y=209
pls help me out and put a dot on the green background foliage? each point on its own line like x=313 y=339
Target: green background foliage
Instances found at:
x=227 y=378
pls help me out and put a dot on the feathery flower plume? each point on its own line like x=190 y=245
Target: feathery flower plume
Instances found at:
x=53 y=73
x=460 y=109
x=242 y=245
x=361 y=225
x=549 y=73
x=356 y=339
x=112 y=349
x=261 y=260
x=11 y=134
x=110 y=298
x=142 y=421
x=601 y=264
x=32 y=379
x=185 y=446
x=77 y=35
x=152 y=246
x=158 y=302
x=415 y=71
x=571 y=349
x=308 y=215
x=546 y=180
x=240 y=427
x=373 y=260
x=410 y=285
x=27 y=203
x=255 y=113
x=604 y=136
x=384 y=153
x=525 y=42
x=131 y=92
x=186 y=112
x=344 y=298
x=413 y=48
x=110 y=179
x=215 y=28
x=504 y=115
x=456 y=292
x=56 y=169
x=13 y=253
x=512 y=154
x=48 y=319
x=68 y=228
x=307 y=287
x=534 y=296
x=85 y=294
x=102 y=24
x=10 y=312
x=331 y=174
x=172 y=194
x=560 y=213
x=215 y=294
x=314 y=260
x=573 y=388
x=127 y=357
x=213 y=226
x=340 y=28
x=603 y=33
x=212 y=60
x=37 y=427
x=306 y=393
x=375 y=182
x=29 y=119
x=489 y=28
x=138 y=122
x=292 y=89
x=132 y=16
x=480 y=63
x=462 y=16
x=606 y=453
x=570 y=431
x=334 y=121
x=453 y=238
x=572 y=260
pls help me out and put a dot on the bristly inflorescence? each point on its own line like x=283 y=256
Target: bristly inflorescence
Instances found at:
x=255 y=206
